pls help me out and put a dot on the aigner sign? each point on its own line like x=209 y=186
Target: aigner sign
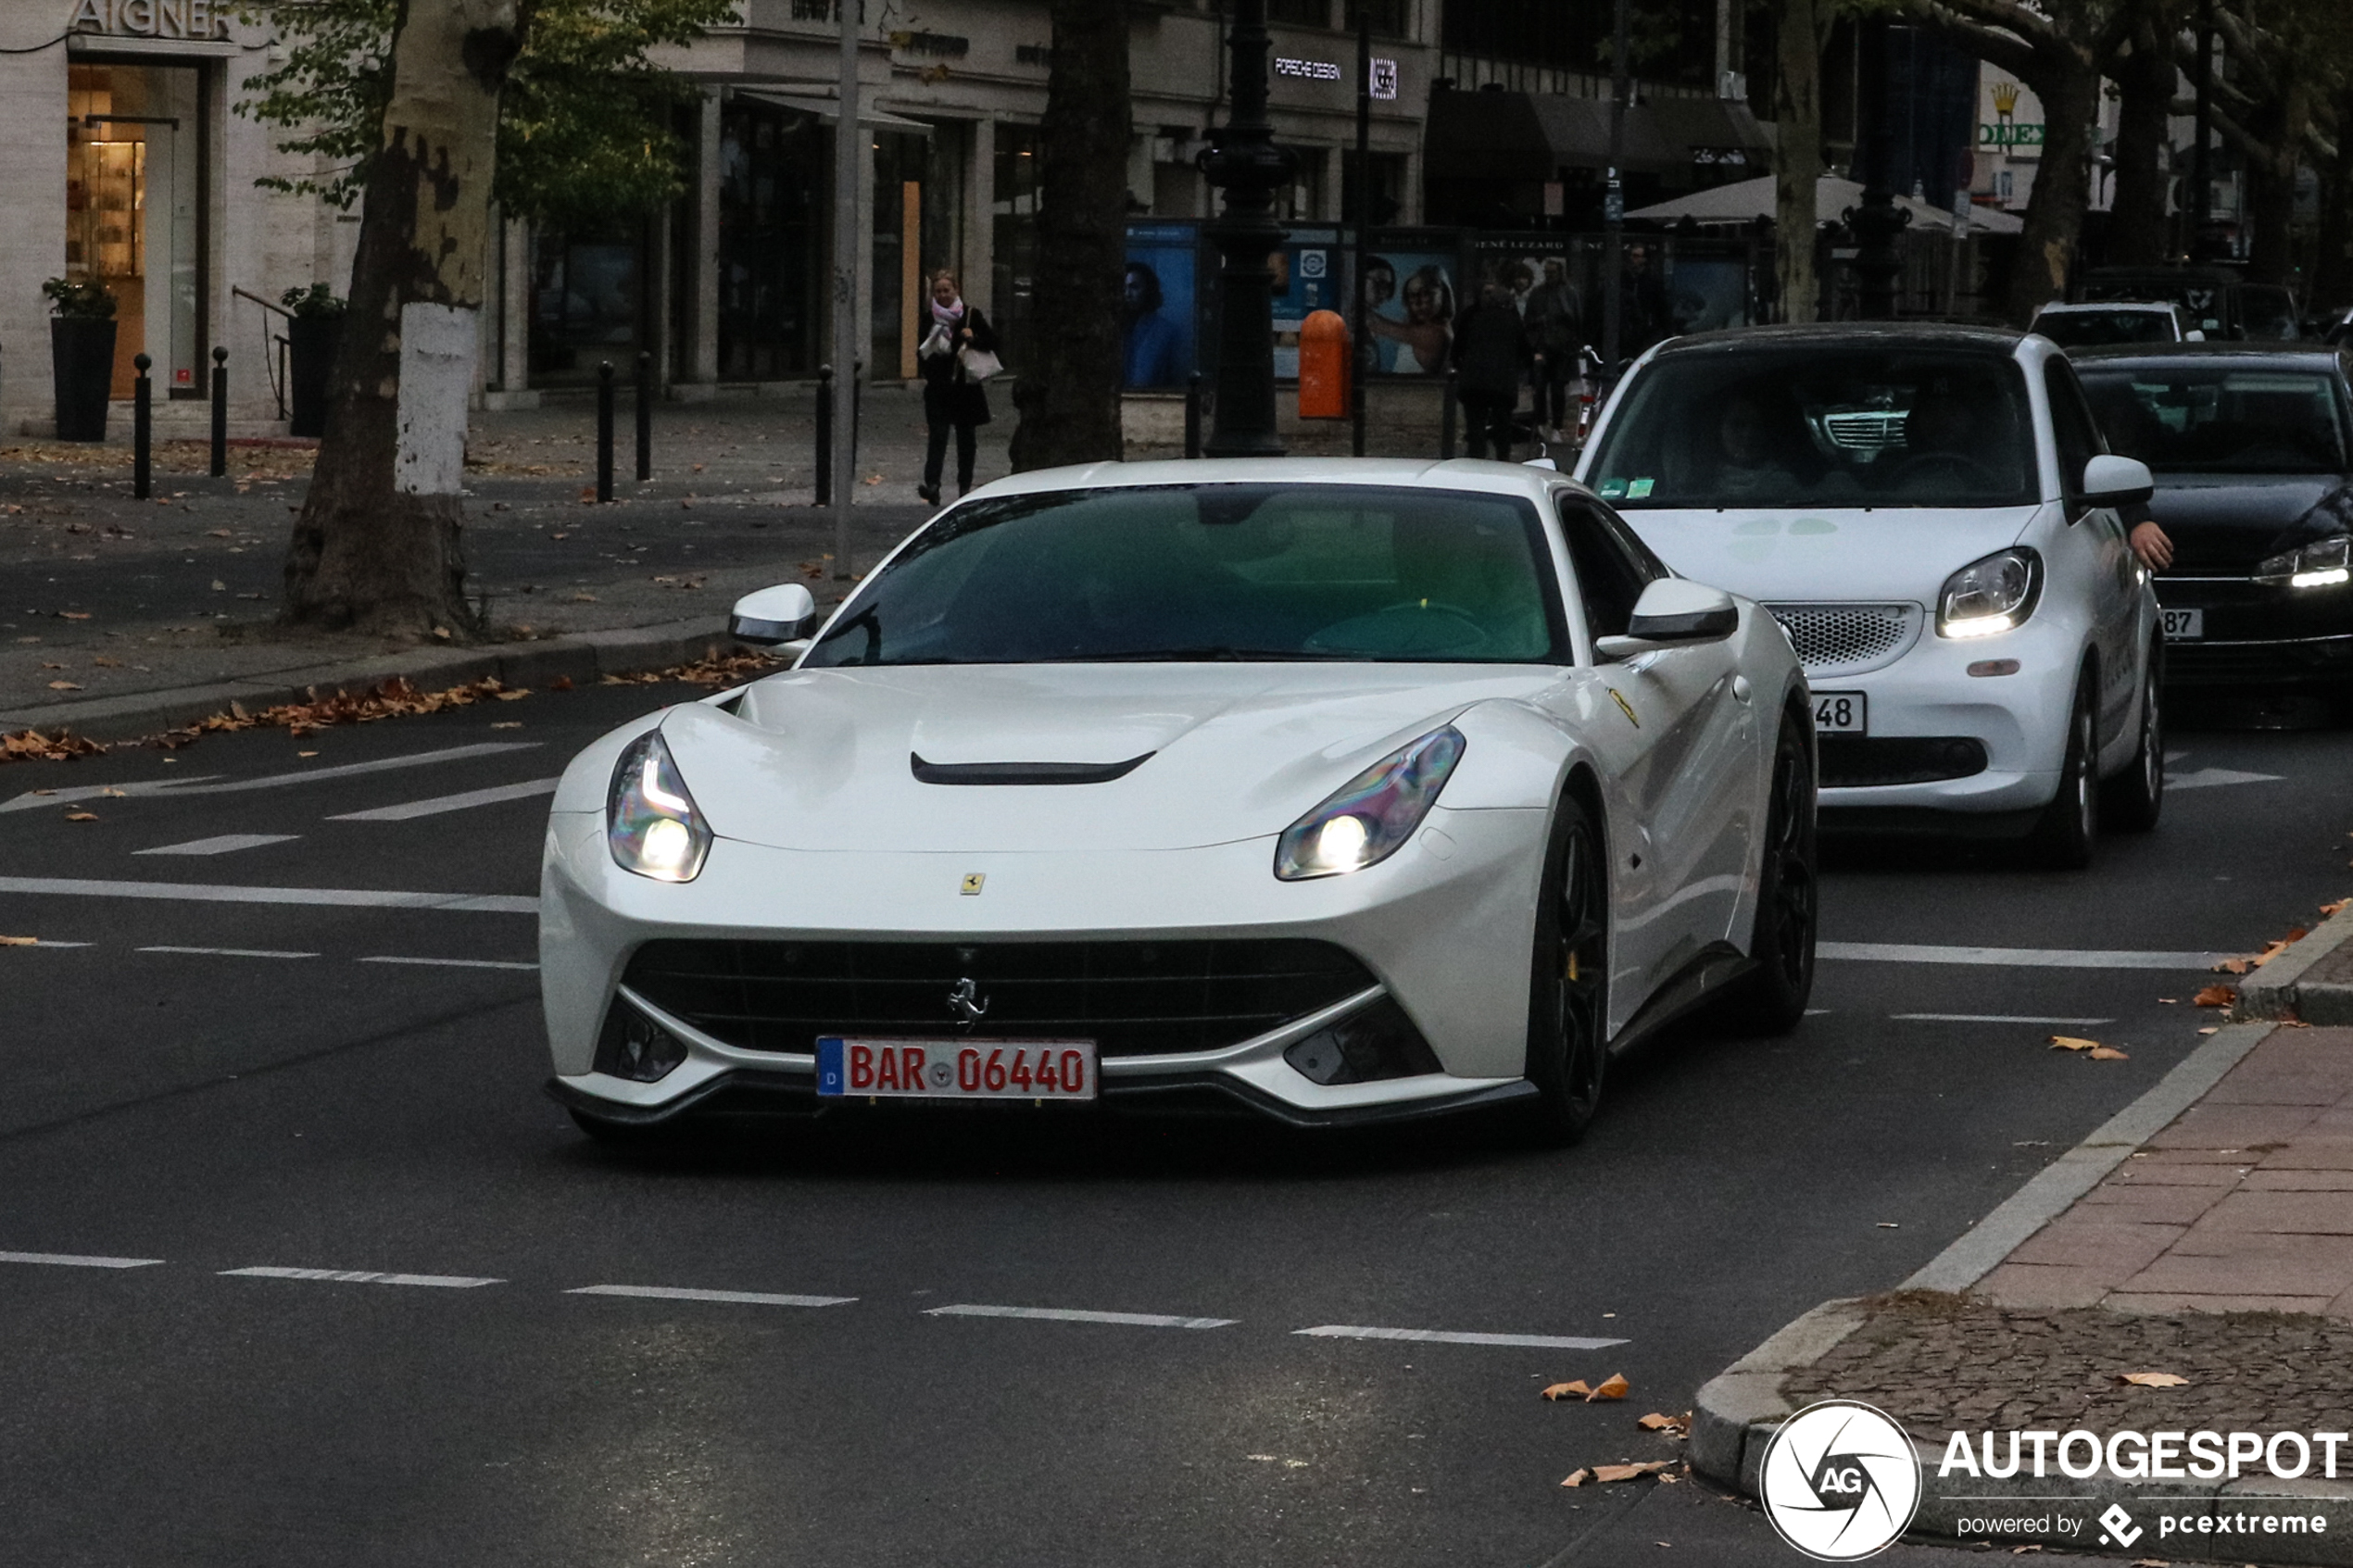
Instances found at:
x=153 y=19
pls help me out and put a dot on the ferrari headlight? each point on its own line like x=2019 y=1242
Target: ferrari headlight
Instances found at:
x=652 y=822
x=1990 y=595
x=2321 y=564
x=1372 y=814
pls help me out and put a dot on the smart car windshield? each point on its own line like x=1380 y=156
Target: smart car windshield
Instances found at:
x=2218 y=418
x=1213 y=572
x=1822 y=427
x=2097 y=329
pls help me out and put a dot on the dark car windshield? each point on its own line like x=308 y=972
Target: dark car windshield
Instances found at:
x=2219 y=419
x=1822 y=427
x=2099 y=328
x=1213 y=572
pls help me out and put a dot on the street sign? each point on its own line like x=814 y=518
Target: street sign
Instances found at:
x=1384 y=80
x=2009 y=133
x=1613 y=205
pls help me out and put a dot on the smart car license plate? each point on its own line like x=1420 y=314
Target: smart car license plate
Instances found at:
x=2184 y=625
x=1840 y=713
x=934 y=1069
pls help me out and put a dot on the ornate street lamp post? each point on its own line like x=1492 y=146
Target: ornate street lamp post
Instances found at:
x=1244 y=162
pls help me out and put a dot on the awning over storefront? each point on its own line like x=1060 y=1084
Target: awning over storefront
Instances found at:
x=1747 y=200
x=1488 y=135
x=829 y=111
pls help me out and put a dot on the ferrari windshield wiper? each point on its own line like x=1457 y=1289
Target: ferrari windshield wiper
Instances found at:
x=1209 y=653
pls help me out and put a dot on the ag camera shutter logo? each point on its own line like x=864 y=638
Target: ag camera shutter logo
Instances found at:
x=1840 y=1481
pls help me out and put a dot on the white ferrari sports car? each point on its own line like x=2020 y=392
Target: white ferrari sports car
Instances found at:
x=1333 y=790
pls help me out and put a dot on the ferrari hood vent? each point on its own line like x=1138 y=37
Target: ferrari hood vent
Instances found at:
x=1022 y=773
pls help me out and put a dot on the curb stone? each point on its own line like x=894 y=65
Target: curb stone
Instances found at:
x=584 y=657
x=1737 y=1413
x=2280 y=990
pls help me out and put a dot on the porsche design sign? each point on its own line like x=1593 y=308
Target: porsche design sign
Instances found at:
x=153 y=19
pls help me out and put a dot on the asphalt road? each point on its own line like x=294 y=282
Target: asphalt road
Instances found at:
x=225 y=1091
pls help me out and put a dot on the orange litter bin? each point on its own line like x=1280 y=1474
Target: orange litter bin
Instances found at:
x=1322 y=366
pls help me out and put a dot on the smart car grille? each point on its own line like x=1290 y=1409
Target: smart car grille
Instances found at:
x=1837 y=639
x=1133 y=998
x=1854 y=761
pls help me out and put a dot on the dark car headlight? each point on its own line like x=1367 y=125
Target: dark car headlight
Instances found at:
x=2323 y=563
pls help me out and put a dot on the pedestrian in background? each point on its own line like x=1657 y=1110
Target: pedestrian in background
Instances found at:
x=1552 y=317
x=1492 y=359
x=953 y=396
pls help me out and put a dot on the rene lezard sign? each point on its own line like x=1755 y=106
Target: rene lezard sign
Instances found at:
x=153 y=19
x=2008 y=133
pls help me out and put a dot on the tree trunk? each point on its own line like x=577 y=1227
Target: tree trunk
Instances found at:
x=2069 y=92
x=2137 y=233
x=2270 y=181
x=1069 y=371
x=377 y=546
x=1797 y=155
x=2333 y=267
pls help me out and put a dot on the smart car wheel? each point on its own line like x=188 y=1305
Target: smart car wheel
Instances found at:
x=1771 y=998
x=2133 y=799
x=1567 y=1021
x=2063 y=838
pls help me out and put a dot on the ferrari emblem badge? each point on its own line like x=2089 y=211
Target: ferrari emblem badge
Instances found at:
x=1625 y=707
x=971 y=883
x=967 y=1003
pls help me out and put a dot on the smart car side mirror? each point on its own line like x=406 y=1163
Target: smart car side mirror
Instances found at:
x=773 y=616
x=2111 y=480
x=1674 y=612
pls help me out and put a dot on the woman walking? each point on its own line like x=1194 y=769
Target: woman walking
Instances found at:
x=952 y=399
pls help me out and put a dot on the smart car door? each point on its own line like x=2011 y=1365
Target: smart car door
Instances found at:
x=2114 y=578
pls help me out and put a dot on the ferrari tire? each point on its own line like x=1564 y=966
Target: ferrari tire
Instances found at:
x=1569 y=987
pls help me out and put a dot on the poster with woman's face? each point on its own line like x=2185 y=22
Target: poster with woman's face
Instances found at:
x=1410 y=304
x=1156 y=305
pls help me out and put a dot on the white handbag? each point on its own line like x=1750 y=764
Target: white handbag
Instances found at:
x=978 y=363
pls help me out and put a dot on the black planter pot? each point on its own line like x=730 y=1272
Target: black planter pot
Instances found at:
x=311 y=341
x=82 y=356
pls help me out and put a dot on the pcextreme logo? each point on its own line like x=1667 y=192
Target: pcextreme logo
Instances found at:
x=1840 y=1481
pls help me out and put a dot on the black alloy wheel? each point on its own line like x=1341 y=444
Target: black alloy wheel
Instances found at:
x=1568 y=993
x=2133 y=799
x=2062 y=840
x=1771 y=998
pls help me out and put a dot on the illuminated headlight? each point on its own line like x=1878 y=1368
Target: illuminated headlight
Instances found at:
x=1372 y=814
x=1990 y=595
x=2321 y=564
x=652 y=822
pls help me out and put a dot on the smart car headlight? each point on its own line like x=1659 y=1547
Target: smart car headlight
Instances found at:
x=2321 y=564
x=652 y=823
x=1990 y=595
x=1370 y=816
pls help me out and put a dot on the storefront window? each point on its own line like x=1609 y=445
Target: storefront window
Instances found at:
x=586 y=301
x=773 y=167
x=1015 y=238
x=134 y=211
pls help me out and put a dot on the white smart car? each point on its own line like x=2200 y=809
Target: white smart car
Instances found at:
x=1335 y=790
x=1933 y=516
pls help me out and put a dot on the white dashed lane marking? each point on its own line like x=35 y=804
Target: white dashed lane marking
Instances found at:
x=1070 y=1314
x=204 y=784
x=451 y=964
x=2206 y=778
x=75 y=1260
x=2019 y=958
x=1448 y=1336
x=679 y=1293
x=439 y=804
x=231 y=952
x=360 y=1276
x=226 y=844
x=336 y=898
x=1990 y=1018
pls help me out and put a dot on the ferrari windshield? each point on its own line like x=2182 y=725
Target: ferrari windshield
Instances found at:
x=1821 y=426
x=1213 y=571
x=2217 y=418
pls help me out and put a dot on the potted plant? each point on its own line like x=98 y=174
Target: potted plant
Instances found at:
x=82 y=354
x=313 y=334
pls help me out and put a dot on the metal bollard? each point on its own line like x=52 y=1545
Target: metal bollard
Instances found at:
x=644 y=418
x=1446 y=421
x=1192 y=416
x=143 y=429
x=824 y=435
x=857 y=413
x=604 y=430
x=219 y=412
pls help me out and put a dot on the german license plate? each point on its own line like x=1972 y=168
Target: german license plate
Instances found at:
x=852 y=1067
x=1840 y=713
x=2184 y=625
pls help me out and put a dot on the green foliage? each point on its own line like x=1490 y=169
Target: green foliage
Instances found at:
x=584 y=124
x=316 y=300
x=83 y=299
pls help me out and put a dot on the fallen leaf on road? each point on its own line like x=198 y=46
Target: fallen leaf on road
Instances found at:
x=1577 y=1390
x=2216 y=997
x=2169 y=1001
x=2069 y=1043
x=584 y=598
x=2333 y=908
x=1631 y=1472
x=305 y=754
x=2211 y=1029
x=2156 y=1380
x=560 y=535
x=32 y=746
x=1612 y=1387
x=81 y=816
x=73 y=615
x=2022 y=1550
x=109 y=791
x=1680 y=1425
x=561 y=684
x=2107 y=1053
x=19 y=941
x=1577 y=1477
x=105 y=663
x=218 y=534
x=62 y=686
x=2234 y=966
x=508 y=724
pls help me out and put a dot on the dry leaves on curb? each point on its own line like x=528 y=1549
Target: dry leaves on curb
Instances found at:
x=2336 y=907
x=2154 y=1379
x=32 y=746
x=1605 y=1474
x=2091 y=1048
x=2216 y=997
